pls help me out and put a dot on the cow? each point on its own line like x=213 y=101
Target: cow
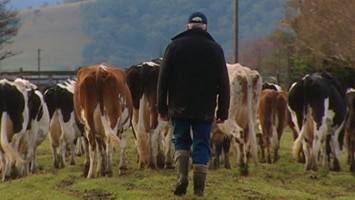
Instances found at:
x=38 y=126
x=103 y=103
x=241 y=125
x=278 y=88
x=271 y=86
x=350 y=129
x=272 y=114
x=65 y=127
x=24 y=126
x=152 y=135
x=318 y=106
x=220 y=145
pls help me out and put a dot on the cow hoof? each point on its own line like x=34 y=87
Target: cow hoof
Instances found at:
x=169 y=166
x=56 y=165
x=122 y=171
x=227 y=166
x=6 y=178
x=109 y=174
x=243 y=169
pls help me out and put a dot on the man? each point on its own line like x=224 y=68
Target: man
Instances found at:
x=193 y=77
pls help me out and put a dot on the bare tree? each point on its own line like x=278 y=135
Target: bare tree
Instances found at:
x=9 y=25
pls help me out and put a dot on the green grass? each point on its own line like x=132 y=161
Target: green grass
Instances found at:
x=284 y=180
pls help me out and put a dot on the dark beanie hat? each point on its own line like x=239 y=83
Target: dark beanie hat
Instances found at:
x=197 y=17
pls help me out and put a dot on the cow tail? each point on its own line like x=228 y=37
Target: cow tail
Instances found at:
x=251 y=121
x=6 y=145
x=100 y=84
x=101 y=76
x=297 y=143
x=142 y=138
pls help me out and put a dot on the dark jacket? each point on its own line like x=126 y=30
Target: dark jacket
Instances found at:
x=193 y=78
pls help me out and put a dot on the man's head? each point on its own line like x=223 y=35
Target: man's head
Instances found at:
x=197 y=20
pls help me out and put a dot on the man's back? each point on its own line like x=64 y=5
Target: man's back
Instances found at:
x=195 y=63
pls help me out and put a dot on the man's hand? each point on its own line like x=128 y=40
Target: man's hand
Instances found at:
x=164 y=117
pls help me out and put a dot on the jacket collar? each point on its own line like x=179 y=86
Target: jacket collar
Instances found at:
x=194 y=32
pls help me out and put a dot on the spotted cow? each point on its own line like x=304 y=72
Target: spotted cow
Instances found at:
x=24 y=126
x=317 y=103
x=38 y=126
x=65 y=127
x=241 y=125
x=103 y=103
x=152 y=136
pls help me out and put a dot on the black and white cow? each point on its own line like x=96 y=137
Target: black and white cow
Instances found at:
x=37 y=127
x=24 y=126
x=65 y=127
x=271 y=86
x=318 y=107
x=152 y=136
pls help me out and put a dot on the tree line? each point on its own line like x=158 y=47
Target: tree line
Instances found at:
x=284 y=38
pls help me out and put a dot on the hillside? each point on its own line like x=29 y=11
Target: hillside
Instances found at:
x=56 y=31
x=125 y=35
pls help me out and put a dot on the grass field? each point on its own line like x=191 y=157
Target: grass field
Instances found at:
x=284 y=180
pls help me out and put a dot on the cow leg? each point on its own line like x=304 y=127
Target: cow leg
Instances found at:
x=310 y=159
x=217 y=155
x=78 y=142
x=101 y=160
x=123 y=144
x=352 y=160
x=72 y=153
x=268 y=152
x=154 y=135
x=161 y=153
x=3 y=165
x=168 y=149
x=6 y=170
x=33 y=168
x=336 y=153
x=63 y=149
x=243 y=163
x=351 y=151
x=226 y=148
x=55 y=155
x=260 y=138
x=276 y=152
x=86 y=158
x=109 y=155
x=92 y=154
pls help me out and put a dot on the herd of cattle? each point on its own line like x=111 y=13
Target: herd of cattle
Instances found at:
x=96 y=110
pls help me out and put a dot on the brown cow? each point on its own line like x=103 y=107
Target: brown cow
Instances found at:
x=103 y=103
x=273 y=120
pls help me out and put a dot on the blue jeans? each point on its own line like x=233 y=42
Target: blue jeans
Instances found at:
x=196 y=133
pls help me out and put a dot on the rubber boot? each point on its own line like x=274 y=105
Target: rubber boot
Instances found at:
x=182 y=168
x=200 y=172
